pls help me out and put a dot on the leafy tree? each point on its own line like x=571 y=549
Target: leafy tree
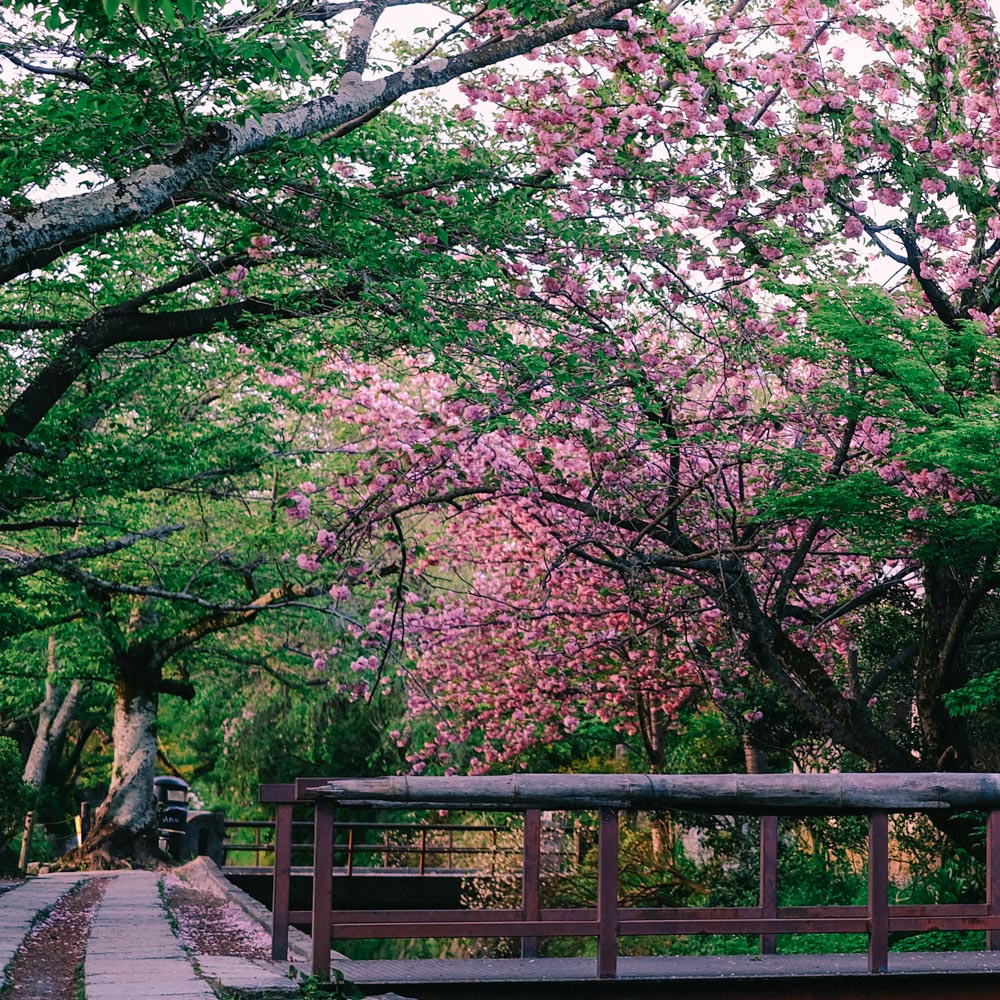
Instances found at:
x=233 y=182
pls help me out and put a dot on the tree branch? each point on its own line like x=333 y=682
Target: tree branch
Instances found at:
x=58 y=226
x=119 y=325
x=70 y=74
x=24 y=563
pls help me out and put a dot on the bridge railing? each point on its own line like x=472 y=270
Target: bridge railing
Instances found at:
x=767 y=796
x=422 y=847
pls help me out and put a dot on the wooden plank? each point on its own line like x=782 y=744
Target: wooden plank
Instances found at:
x=878 y=892
x=531 y=876
x=451 y=916
x=304 y=787
x=776 y=925
x=322 y=889
x=846 y=919
x=500 y=928
x=768 y=879
x=276 y=793
x=944 y=923
x=725 y=794
x=282 y=887
x=993 y=874
x=607 y=894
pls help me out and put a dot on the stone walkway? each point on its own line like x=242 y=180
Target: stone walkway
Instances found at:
x=132 y=951
x=24 y=906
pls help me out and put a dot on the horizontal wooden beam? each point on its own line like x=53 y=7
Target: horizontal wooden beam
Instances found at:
x=741 y=794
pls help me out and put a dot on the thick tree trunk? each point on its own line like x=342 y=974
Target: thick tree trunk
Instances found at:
x=125 y=824
x=54 y=716
x=950 y=602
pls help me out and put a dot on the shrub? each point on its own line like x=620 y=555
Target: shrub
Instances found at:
x=15 y=795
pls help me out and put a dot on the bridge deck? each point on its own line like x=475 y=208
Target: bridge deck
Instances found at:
x=912 y=976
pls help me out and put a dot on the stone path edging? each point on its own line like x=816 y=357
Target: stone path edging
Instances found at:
x=203 y=873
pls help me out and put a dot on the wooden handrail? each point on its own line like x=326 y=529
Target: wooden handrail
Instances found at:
x=766 y=795
x=720 y=794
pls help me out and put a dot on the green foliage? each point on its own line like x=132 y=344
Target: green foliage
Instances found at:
x=15 y=795
x=259 y=720
x=530 y=10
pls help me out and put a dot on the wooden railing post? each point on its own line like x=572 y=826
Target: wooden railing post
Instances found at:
x=993 y=876
x=281 y=892
x=607 y=895
x=878 y=892
x=29 y=829
x=530 y=898
x=768 y=879
x=322 y=901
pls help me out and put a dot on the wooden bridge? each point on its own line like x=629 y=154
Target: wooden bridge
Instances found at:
x=764 y=796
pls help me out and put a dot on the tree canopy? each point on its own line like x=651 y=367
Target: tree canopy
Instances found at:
x=765 y=459
x=681 y=323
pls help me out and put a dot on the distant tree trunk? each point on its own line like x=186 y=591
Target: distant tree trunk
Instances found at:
x=125 y=823
x=54 y=716
x=951 y=599
x=124 y=829
x=756 y=759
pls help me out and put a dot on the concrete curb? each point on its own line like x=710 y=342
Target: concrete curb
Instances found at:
x=203 y=873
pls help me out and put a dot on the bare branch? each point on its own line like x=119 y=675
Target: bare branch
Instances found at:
x=359 y=41
x=70 y=74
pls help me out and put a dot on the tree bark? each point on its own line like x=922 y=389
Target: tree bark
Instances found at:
x=951 y=598
x=125 y=823
x=56 y=712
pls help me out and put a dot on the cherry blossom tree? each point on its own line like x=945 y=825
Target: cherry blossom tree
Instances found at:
x=726 y=414
x=642 y=259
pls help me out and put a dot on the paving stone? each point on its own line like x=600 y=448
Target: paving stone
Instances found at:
x=252 y=977
x=132 y=951
x=22 y=906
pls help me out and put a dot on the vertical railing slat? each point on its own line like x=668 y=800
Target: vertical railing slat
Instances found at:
x=607 y=895
x=768 y=879
x=878 y=892
x=530 y=876
x=322 y=901
x=281 y=891
x=993 y=876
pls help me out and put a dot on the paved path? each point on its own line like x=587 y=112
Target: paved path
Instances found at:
x=133 y=951
x=20 y=908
